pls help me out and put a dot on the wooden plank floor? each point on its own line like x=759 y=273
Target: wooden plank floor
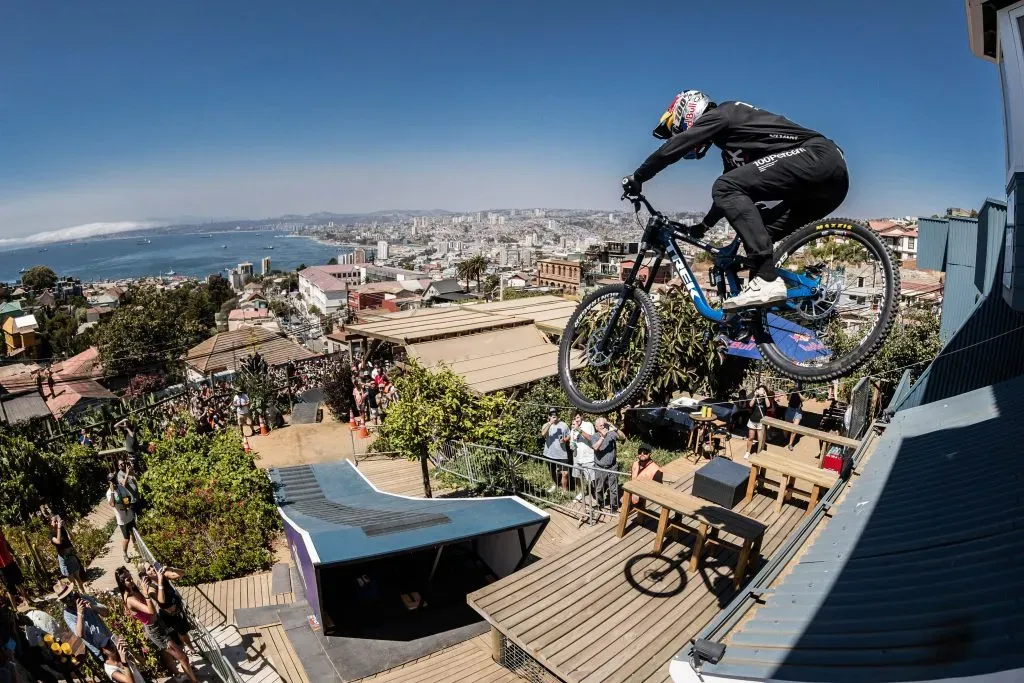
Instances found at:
x=468 y=661
x=215 y=603
x=562 y=530
x=394 y=475
x=272 y=643
x=606 y=610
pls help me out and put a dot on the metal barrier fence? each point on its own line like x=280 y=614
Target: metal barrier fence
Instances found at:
x=583 y=491
x=201 y=636
x=860 y=408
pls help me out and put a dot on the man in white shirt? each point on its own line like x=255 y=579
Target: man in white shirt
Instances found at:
x=241 y=404
x=121 y=499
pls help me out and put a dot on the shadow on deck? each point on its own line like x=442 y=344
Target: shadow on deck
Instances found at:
x=609 y=609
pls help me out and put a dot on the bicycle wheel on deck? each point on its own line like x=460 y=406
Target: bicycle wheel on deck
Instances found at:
x=609 y=348
x=851 y=297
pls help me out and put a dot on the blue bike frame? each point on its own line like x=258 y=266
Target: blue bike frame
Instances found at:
x=660 y=237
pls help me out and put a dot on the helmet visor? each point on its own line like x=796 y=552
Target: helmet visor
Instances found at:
x=663 y=131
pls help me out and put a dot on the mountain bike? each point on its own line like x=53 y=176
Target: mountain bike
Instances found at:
x=843 y=295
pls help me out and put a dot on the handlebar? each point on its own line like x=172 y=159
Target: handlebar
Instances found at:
x=640 y=200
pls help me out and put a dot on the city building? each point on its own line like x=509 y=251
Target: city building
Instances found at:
x=560 y=273
x=245 y=270
x=446 y=291
x=20 y=336
x=663 y=275
x=902 y=238
x=251 y=317
x=236 y=280
x=372 y=273
x=326 y=287
x=265 y=266
x=383 y=250
x=10 y=309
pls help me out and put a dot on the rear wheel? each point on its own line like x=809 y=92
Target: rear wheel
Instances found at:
x=852 y=291
x=609 y=348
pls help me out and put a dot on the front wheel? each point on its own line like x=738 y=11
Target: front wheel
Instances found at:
x=844 y=293
x=609 y=348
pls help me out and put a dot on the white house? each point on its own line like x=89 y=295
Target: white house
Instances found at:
x=326 y=287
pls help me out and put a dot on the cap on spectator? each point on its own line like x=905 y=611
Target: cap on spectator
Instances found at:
x=644 y=448
x=62 y=588
x=552 y=411
x=111 y=476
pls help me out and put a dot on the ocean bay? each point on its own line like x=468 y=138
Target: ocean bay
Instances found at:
x=189 y=254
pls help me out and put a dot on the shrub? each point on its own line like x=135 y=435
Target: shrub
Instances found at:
x=338 y=390
x=67 y=478
x=210 y=509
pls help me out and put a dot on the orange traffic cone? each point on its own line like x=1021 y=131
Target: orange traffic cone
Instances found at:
x=263 y=427
x=245 y=442
x=363 y=432
x=351 y=420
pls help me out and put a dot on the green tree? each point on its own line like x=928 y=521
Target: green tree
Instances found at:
x=492 y=285
x=57 y=328
x=913 y=341
x=302 y=266
x=333 y=261
x=154 y=328
x=476 y=269
x=39 y=278
x=435 y=406
x=218 y=289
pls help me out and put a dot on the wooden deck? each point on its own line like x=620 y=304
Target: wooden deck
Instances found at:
x=271 y=642
x=468 y=661
x=214 y=604
x=605 y=610
x=394 y=475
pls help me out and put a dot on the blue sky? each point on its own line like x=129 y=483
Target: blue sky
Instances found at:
x=128 y=111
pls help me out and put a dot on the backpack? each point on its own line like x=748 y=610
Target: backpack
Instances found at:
x=124 y=498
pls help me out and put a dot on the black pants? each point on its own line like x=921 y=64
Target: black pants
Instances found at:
x=811 y=181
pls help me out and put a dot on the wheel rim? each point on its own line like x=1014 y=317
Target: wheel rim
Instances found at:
x=602 y=372
x=842 y=309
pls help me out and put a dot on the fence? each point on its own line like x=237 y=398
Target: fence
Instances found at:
x=201 y=636
x=582 y=491
x=860 y=408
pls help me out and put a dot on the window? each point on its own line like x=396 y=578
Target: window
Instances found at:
x=911 y=243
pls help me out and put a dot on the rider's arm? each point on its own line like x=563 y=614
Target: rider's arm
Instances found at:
x=707 y=127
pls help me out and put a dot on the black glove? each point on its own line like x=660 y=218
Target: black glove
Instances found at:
x=697 y=230
x=631 y=187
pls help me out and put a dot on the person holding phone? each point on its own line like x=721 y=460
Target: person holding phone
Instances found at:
x=760 y=404
x=556 y=433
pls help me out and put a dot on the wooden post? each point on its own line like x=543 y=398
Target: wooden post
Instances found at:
x=627 y=503
x=751 y=483
x=659 y=540
x=497 y=648
x=741 y=564
x=698 y=547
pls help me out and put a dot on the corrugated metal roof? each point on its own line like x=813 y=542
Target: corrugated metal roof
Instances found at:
x=963 y=241
x=23 y=409
x=346 y=519
x=226 y=350
x=991 y=235
x=960 y=298
x=492 y=361
x=917 y=576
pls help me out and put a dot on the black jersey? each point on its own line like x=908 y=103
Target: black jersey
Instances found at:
x=744 y=133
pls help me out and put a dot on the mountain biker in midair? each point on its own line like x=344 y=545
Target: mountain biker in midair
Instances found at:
x=767 y=158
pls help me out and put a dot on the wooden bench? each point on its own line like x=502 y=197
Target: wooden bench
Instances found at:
x=711 y=520
x=822 y=437
x=791 y=470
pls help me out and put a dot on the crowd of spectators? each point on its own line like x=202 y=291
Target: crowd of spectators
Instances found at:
x=372 y=391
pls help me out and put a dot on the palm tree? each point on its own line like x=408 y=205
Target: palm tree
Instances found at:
x=475 y=268
x=464 y=271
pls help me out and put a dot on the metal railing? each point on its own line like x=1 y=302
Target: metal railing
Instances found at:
x=860 y=405
x=204 y=641
x=586 y=492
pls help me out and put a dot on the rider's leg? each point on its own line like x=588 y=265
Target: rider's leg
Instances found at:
x=812 y=175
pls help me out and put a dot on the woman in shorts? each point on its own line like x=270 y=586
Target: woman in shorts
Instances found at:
x=67 y=559
x=760 y=406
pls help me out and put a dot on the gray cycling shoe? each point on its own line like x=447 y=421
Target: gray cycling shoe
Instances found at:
x=758 y=292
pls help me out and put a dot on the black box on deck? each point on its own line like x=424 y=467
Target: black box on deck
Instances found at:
x=721 y=481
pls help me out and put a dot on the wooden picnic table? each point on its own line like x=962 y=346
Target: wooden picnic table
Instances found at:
x=822 y=437
x=791 y=470
x=711 y=519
